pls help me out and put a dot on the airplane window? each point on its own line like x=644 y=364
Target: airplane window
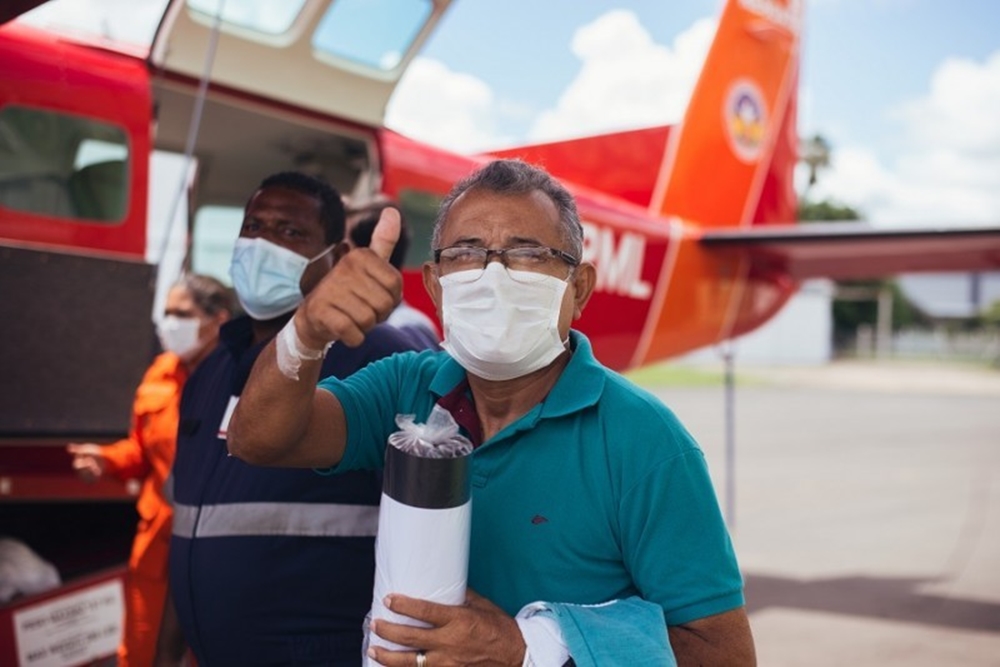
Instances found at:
x=373 y=33
x=62 y=166
x=420 y=209
x=93 y=151
x=265 y=16
x=215 y=232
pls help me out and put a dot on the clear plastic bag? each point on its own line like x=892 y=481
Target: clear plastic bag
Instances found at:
x=437 y=439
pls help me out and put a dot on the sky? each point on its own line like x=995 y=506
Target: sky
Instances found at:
x=906 y=92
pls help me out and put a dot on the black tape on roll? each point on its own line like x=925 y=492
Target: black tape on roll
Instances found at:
x=423 y=482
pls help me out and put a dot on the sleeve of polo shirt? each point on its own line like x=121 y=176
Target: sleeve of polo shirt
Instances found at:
x=675 y=542
x=368 y=398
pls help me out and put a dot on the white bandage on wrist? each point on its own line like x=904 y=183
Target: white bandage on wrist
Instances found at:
x=290 y=351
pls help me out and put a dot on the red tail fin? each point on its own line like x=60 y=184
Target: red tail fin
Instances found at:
x=738 y=134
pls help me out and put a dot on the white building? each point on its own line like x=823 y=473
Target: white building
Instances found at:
x=800 y=334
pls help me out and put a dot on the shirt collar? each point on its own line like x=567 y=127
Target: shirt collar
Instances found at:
x=447 y=376
x=581 y=383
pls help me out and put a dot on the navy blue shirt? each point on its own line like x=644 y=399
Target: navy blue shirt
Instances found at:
x=268 y=566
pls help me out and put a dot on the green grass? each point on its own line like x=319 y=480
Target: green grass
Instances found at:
x=672 y=375
x=668 y=374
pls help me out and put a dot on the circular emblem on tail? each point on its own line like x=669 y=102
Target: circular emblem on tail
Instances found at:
x=745 y=118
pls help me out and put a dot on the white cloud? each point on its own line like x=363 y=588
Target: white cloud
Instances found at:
x=443 y=108
x=626 y=79
x=962 y=109
x=949 y=172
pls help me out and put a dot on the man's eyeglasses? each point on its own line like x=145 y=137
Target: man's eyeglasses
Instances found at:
x=535 y=259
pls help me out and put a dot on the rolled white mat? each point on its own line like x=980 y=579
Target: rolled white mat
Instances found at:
x=422 y=547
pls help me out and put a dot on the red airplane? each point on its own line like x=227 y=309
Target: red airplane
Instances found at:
x=691 y=227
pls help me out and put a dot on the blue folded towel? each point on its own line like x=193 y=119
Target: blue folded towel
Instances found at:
x=630 y=632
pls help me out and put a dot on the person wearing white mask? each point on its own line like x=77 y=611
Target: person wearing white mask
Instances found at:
x=196 y=307
x=596 y=534
x=270 y=566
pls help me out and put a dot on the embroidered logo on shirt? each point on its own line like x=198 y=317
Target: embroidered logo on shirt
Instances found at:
x=538 y=519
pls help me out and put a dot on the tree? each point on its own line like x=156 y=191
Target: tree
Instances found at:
x=991 y=315
x=815 y=153
x=858 y=302
x=825 y=210
x=857 y=305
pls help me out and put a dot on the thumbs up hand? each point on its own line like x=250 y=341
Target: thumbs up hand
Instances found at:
x=385 y=236
x=360 y=291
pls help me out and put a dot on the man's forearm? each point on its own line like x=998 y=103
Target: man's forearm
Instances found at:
x=724 y=639
x=281 y=418
x=274 y=413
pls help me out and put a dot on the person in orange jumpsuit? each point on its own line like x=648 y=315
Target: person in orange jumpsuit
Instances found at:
x=195 y=309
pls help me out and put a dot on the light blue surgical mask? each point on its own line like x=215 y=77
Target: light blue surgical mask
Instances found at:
x=266 y=277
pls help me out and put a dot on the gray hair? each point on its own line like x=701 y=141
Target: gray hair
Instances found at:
x=516 y=177
x=207 y=293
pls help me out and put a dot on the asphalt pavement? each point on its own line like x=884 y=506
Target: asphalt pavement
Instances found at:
x=866 y=512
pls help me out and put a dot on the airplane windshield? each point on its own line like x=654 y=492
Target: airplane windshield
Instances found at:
x=271 y=18
x=373 y=33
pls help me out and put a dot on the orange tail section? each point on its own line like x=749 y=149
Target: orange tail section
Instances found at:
x=740 y=122
x=729 y=163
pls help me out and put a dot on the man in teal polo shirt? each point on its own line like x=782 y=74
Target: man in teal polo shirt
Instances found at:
x=586 y=489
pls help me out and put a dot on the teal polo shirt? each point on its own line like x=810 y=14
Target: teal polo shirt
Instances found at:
x=597 y=493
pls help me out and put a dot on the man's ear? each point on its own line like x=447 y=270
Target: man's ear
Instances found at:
x=432 y=284
x=584 y=279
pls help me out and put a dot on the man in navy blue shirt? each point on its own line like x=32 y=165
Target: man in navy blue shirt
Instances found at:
x=270 y=566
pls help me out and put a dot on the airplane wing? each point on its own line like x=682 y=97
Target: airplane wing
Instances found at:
x=843 y=250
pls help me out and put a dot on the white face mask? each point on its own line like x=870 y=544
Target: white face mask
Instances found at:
x=500 y=328
x=179 y=335
x=266 y=277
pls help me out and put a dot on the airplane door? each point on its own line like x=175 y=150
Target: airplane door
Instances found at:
x=340 y=58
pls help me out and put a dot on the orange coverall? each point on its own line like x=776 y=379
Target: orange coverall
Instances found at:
x=148 y=454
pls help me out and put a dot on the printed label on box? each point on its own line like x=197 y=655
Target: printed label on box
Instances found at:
x=71 y=629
